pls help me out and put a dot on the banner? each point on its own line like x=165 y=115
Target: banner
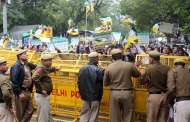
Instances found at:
x=60 y=43
x=143 y=38
x=74 y=41
x=36 y=42
x=116 y=36
x=26 y=40
x=170 y=28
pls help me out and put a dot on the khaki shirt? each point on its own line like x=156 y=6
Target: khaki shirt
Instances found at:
x=118 y=75
x=156 y=77
x=27 y=77
x=42 y=78
x=6 y=89
x=179 y=82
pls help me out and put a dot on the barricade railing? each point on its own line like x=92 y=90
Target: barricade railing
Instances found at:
x=140 y=91
x=65 y=85
x=167 y=60
x=65 y=98
x=11 y=57
x=74 y=56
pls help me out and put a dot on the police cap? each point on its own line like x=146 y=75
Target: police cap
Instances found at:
x=179 y=61
x=46 y=56
x=93 y=54
x=2 y=60
x=115 y=51
x=20 y=52
x=154 y=54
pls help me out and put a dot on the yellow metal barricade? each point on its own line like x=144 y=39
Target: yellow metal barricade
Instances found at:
x=140 y=91
x=65 y=98
x=167 y=60
x=11 y=57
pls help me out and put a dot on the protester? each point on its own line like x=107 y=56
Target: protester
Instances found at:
x=166 y=50
x=175 y=50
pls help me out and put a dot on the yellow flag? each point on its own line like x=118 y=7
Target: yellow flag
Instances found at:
x=155 y=29
x=128 y=20
x=48 y=33
x=126 y=45
x=92 y=6
x=4 y=43
x=131 y=39
x=83 y=39
x=73 y=31
x=87 y=8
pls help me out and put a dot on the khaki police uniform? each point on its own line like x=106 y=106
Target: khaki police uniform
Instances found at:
x=24 y=109
x=118 y=77
x=156 y=79
x=43 y=81
x=6 y=96
x=179 y=84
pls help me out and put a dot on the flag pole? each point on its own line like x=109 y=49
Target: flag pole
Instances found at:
x=86 y=24
x=5 y=17
x=94 y=20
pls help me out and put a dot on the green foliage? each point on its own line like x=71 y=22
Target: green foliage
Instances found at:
x=149 y=12
x=55 y=13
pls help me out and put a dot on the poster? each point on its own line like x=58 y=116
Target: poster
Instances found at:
x=143 y=38
x=74 y=41
x=60 y=43
x=26 y=40
x=171 y=28
x=36 y=42
x=116 y=36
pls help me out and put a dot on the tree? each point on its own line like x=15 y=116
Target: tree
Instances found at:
x=149 y=12
x=56 y=13
x=52 y=12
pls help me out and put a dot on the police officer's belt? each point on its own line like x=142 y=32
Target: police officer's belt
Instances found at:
x=41 y=92
x=158 y=92
x=121 y=89
x=182 y=98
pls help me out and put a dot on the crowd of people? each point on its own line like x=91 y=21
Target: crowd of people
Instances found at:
x=167 y=49
x=162 y=83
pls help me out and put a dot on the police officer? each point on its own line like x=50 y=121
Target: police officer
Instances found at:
x=90 y=84
x=155 y=77
x=6 y=94
x=20 y=76
x=179 y=84
x=118 y=77
x=44 y=86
